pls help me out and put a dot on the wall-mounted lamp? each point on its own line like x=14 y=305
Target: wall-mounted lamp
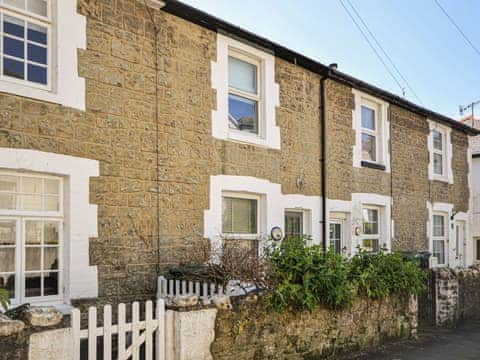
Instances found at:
x=276 y=233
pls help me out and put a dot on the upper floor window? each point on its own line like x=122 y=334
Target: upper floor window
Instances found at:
x=25 y=28
x=243 y=93
x=372 y=132
x=440 y=148
x=31 y=221
x=247 y=94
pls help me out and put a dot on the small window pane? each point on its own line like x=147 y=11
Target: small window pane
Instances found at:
x=37 y=54
x=7 y=232
x=32 y=202
x=13 y=26
x=371 y=245
x=13 y=68
x=37 y=74
x=8 y=201
x=50 y=283
x=50 y=260
x=20 y=4
x=7 y=259
x=7 y=281
x=239 y=216
x=51 y=203
x=370 y=221
x=32 y=284
x=368 y=118
x=438 y=225
x=51 y=232
x=439 y=251
x=369 y=147
x=437 y=140
x=438 y=164
x=242 y=114
x=32 y=185
x=52 y=186
x=8 y=183
x=37 y=33
x=242 y=75
x=33 y=232
x=38 y=7
x=32 y=258
x=13 y=47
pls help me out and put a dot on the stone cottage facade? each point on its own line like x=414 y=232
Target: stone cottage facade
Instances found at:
x=130 y=131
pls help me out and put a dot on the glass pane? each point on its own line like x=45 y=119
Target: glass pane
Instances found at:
x=32 y=284
x=7 y=281
x=437 y=140
x=8 y=201
x=20 y=4
x=52 y=186
x=32 y=185
x=37 y=54
x=438 y=225
x=37 y=33
x=293 y=224
x=38 y=7
x=14 y=26
x=438 y=164
x=51 y=203
x=242 y=75
x=368 y=118
x=32 y=202
x=33 y=231
x=37 y=74
x=50 y=283
x=242 y=218
x=14 y=47
x=370 y=221
x=369 y=151
x=7 y=232
x=50 y=261
x=242 y=114
x=439 y=251
x=13 y=68
x=227 y=215
x=370 y=245
x=8 y=183
x=33 y=258
x=51 y=232
x=7 y=259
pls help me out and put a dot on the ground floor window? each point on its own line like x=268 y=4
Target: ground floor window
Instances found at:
x=293 y=224
x=31 y=221
x=371 y=229
x=439 y=239
x=240 y=214
x=336 y=229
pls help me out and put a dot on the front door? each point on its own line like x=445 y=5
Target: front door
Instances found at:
x=336 y=238
x=458 y=250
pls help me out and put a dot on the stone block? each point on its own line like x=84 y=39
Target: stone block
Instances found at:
x=10 y=327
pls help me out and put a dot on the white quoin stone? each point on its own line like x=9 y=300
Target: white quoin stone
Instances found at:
x=51 y=345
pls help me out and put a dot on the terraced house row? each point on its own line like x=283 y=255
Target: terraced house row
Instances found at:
x=132 y=130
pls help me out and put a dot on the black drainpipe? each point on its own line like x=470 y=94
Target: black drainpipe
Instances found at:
x=323 y=126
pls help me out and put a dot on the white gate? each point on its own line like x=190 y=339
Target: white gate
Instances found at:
x=142 y=332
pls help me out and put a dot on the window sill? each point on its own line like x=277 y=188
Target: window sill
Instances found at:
x=371 y=165
x=441 y=179
x=240 y=237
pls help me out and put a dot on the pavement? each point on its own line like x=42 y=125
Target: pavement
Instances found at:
x=459 y=343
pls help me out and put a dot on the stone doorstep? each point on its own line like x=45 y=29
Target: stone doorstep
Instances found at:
x=9 y=327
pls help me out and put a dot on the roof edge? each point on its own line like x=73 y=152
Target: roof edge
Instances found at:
x=213 y=23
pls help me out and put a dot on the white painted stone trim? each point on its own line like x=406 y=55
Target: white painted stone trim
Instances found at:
x=354 y=217
x=384 y=131
x=272 y=206
x=80 y=279
x=69 y=33
x=448 y=177
x=270 y=93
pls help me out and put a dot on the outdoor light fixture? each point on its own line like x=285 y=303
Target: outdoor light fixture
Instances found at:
x=358 y=230
x=276 y=233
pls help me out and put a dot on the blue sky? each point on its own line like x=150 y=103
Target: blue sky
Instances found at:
x=442 y=69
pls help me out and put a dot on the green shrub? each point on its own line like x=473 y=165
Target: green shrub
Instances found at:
x=302 y=277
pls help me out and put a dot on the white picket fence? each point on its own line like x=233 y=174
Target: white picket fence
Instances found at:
x=170 y=288
x=142 y=332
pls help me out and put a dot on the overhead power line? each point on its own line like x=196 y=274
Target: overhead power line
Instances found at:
x=372 y=47
x=384 y=52
x=465 y=37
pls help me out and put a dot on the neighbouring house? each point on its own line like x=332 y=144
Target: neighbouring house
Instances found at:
x=130 y=132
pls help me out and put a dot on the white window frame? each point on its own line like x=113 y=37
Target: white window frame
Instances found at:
x=381 y=133
x=21 y=217
x=446 y=152
x=248 y=196
x=443 y=238
x=258 y=97
x=28 y=17
x=268 y=93
x=377 y=236
x=342 y=233
x=306 y=219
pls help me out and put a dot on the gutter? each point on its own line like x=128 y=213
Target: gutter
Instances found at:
x=205 y=20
